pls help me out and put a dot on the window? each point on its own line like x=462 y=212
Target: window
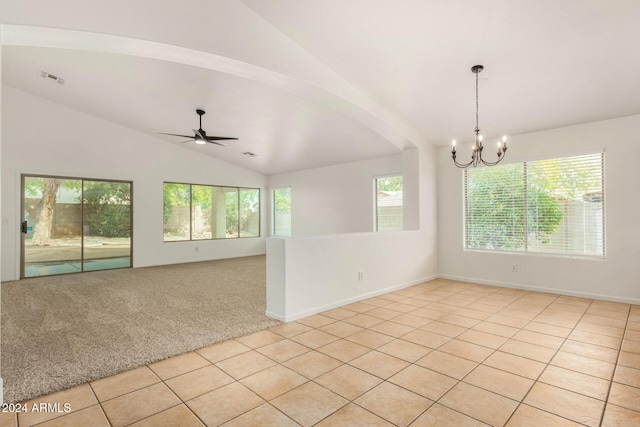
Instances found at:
x=282 y=211
x=204 y=212
x=549 y=206
x=176 y=212
x=249 y=211
x=388 y=196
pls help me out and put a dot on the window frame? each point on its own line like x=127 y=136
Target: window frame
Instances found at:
x=238 y=191
x=525 y=250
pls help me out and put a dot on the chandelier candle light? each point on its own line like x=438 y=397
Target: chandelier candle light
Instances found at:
x=476 y=150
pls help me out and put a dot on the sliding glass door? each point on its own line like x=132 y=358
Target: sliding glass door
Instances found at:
x=106 y=225
x=52 y=226
x=73 y=225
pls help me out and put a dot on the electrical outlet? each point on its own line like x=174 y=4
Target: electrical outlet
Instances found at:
x=514 y=268
x=360 y=276
x=197 y=249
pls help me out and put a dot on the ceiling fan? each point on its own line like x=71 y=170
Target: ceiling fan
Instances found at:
x=200 y=136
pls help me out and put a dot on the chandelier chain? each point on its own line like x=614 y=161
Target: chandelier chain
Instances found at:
x=477 y=130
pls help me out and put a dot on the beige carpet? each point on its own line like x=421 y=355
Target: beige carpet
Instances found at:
x=61 y=331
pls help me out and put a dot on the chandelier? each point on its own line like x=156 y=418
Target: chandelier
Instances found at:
x=476 y=150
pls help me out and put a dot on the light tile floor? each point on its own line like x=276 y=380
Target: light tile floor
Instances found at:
x=440 y=353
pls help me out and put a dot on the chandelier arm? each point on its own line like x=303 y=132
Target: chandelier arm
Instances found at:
x=484 y=162
x=462 y=165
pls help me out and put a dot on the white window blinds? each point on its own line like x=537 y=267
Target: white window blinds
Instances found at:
x=548 y=206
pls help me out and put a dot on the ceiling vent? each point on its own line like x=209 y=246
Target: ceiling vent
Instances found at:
x=56 y=79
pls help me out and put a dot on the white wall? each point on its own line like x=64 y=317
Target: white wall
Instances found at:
x=335 y=199
x=41 y=137
x=310 y=274
x=614 y=278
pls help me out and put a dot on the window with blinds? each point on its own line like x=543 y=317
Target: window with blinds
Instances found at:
x=548 y=206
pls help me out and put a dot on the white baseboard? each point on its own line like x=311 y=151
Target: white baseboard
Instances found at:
x=274 y=316
x=340 y=303
x=525 y=287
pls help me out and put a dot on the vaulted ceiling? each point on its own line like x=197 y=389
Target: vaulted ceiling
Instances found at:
x=312 y=83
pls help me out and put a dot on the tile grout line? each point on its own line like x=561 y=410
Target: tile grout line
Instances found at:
x=352 y=401
x=182 y=402
x=564 y=340
x=548 y=363
x=615 y=368
x=296 y=387
x=413 y=363
x=481 y=363
x=308 y=379
x=100 y=404
x=69 y=413
x=535 y=381
x=235 y=380
x=164 y=382
x=493 y=352
x=458 y=381
x=383 y=380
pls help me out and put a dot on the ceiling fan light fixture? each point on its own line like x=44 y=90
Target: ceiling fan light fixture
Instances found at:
x=200 y=141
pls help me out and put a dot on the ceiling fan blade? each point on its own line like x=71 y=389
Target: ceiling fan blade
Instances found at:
x=217 y=143
x=200 y=136
x=175 y=134
x=218 y=138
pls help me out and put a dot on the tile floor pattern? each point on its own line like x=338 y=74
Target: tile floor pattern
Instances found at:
x=439 y=353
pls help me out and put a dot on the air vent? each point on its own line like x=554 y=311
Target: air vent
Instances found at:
x=250 y=154
x=54 y=78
